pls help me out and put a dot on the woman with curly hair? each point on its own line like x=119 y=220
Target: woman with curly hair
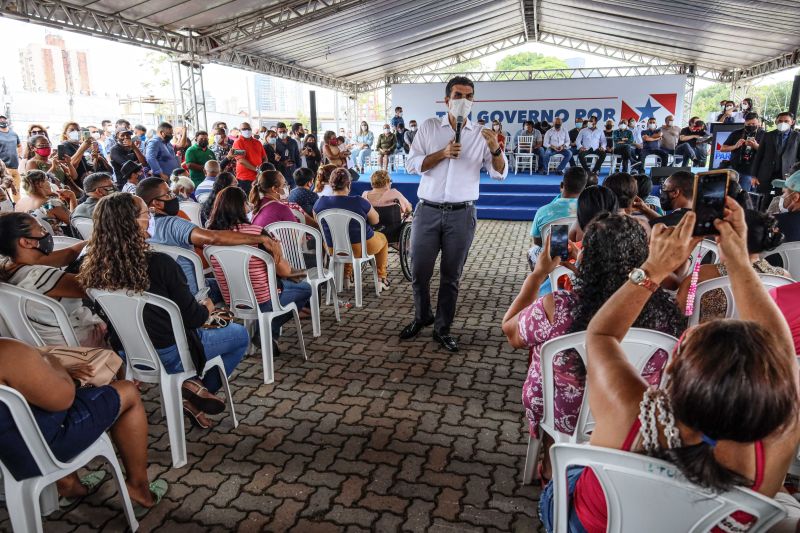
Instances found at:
x=613 y=245
x=763 y=235
x=119 y=258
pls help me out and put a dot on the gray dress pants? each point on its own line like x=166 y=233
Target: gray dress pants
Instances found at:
x=433 y=230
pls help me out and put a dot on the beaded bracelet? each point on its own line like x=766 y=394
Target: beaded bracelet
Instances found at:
x=693 y=284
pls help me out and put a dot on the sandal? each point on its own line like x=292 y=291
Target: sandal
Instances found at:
x=158 y=489
x=199 y=396
x=91 y=481
x=197 y=416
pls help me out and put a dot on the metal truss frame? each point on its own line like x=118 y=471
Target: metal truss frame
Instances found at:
x=776 y=64
x=193 y=101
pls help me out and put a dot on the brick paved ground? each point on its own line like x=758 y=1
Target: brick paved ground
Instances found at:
x=369 y=434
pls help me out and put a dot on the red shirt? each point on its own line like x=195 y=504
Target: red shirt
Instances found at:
x=254 y=154
x=788 y=299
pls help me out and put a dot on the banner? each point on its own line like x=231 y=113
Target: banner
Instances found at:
x=514 y=102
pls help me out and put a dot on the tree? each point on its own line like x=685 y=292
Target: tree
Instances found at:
x=530 y=61
x=473 y=65
x=707 y=100
x=769 y=100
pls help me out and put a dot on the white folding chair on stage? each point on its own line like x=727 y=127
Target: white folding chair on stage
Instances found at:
x=648 y=494
x=15 y=302
x=523 y=154
x=789 y=252
x=235 y=264
x=652 y=160
x=398 y=161
x=192 y=210
x=60 y=242
x=338 y=223
x=591 y=160
x=701 y=251
x=639 y=346
x=84 y=226
x=724 y=284
x=176 y=252
x=27 y=499
x=125 y=311
x=553 y=163
x=293 y=237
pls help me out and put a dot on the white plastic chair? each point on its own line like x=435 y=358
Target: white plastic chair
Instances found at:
x=14 y=302
x=523 y=154
x=23 y=497
x=398 y=161
x=235 y=264
x=724 y=283
x=639 y=346
x=192 y=210
x=338 y=222
x=557 y=273
x=648 y=494
x=60 y=242
x=175 y=252
x=299 y=215
x=125 y=311
x=201 y=198
x=293 y=236
x=553 y=163
x=703 y=249
x=655 y=163
x=789 y=253
x=591 y=160
x=84 y=226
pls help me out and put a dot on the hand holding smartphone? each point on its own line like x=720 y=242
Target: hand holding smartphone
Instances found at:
x=559 y=241
x=710 y=189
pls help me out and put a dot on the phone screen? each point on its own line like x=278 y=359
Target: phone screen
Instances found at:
x=710 y=189
x=85 y=134
x=60 y=151
x=559 y=241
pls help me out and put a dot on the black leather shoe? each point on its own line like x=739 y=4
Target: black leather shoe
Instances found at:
x=447 y=341
x=413 y=329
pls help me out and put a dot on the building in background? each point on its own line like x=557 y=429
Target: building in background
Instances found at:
x=54 y=68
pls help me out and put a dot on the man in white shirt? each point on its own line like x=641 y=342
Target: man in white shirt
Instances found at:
x=556 y=141
x=445 y=217
x=591 y=141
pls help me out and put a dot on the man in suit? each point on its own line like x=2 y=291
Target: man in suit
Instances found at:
x=778 y=152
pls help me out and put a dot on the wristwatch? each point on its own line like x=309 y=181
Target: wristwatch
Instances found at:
x=497 y=152
x=639 y=277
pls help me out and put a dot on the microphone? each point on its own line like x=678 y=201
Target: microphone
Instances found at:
x=459 y=125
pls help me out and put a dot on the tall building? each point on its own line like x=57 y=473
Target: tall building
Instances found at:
x=53 y=68
x=276 y=95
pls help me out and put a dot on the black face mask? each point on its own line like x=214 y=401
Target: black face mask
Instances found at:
x=167 y=138
x=203 y=144
x=666 y=200
x=172 y=206
x=3 y=124
x=750 y=129
x=45 y=243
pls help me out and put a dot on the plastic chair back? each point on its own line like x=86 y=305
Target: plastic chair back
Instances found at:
x=292 y=236
x=338 y=223
x=648 y=494
x=175 y=252
x=639 y=346
x=14 y=303
x=568 y=221
x=192 y=210
x=299 y=215
x=724 y=283
x=235 y=264
x=789 y=253
x=60 y=242
x=524 y=144
x=557 y=273
x=125 y=311
x=703 y=249
x=84 y=225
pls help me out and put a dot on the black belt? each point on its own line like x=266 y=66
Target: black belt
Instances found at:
x=448 y=207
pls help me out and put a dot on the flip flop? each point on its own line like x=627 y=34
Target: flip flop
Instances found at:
x=158 y=489
x=91 y=481
x=208 y=403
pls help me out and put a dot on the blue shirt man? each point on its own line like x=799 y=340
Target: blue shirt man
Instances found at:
x=397 y=119
x=160 y=154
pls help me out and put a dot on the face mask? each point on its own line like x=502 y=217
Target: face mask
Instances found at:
x=73 y=135
x=202 y=144
x=45 y=244
x=623 y=126
x=783 y=126
x=784 y=208
x=592 y=125
x=669 y=123
x=413 y=128
x=142 y=138
x=666 y=200
x=557 y=126
x=386 y=131
x=247 y=133
x=218 y=138
x=272 y=140
x=167 y=138
x=631 y=125
x=3 y=124
x=460 y=107
x=44 y=152
x=728 y=108
x=282 y=135
x=95 y=136
x=172 y=206
x=496 y=128
x=285 y=192
x=750 y=129
x=745 y=106
x=652 y=125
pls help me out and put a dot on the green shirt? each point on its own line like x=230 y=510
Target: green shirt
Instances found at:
x=195 y=154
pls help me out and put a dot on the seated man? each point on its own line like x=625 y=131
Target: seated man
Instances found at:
x=591 y=141
x=651 y=140
x=535 y=147
x=623 y=144
x=302 y=195
x=789 y=220
x=690 y=148
x=556 y=140
x=676 y=196
x=96 y=186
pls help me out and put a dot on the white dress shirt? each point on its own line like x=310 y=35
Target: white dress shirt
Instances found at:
x=555 y=137
x=451 y=180
x=591 y=139
x=637 y=135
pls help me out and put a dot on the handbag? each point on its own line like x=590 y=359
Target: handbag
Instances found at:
x=105 y=362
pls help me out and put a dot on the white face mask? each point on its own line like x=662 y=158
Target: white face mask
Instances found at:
x=669 y=123
x=745 y=106
x=6 y=206
x=95 y=136
x=73 y=135
x=386 y=131
x=460 y=107
x=623 y=126
x=218 y=138
x=782 y=206
x=272 y=140
x=413 y=128
x=282 y=135
x=285 y=192
x=728 y=108
x=783 y=126
x=651 y=126
x=247 y=133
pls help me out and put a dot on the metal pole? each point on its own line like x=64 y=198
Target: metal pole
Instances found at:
x=794 y=99
x=688 y=97
x=336 y=109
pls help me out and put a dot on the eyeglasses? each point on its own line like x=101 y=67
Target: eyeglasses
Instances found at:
x=169 y=196
x=37 y=132
x=108 y=188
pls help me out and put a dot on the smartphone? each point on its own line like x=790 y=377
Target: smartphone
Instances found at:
x=559 y=241
x=239 y=152
x=60 y=153
x=710 y=189
x=202 y=294
x=85 y=134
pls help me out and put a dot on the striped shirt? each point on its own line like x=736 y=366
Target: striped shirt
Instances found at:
x=258 y=271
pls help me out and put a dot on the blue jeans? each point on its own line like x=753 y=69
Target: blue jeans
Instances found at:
x=744 y=181
x=298 y=292
x=359 y=155
x=230 y=342
x=547 y=511
x=564 y=162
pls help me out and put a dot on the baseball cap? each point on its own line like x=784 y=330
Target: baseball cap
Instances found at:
x=792 y=182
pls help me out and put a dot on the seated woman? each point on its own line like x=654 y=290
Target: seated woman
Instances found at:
x=230 y=213
x=334 y=154
x=612 y=246
x=728 y=416
x=119 y=258
x=383 y=195
x=763 y=235
x=627 y=190
x=182 y=187
x=386 y=146
x=71 y=420
x=270 y=200
x=55 y=207
x=323 y=186
x=592 y=201
x=75 y=145
x=224 y=180
x=32 y=264
x=40 y=157
x=376 y=241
